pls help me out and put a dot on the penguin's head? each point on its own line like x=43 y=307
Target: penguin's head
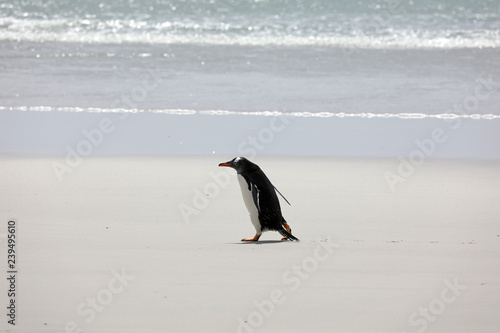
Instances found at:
x=240 y=164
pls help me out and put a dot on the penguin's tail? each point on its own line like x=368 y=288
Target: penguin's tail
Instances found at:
x=288 y=235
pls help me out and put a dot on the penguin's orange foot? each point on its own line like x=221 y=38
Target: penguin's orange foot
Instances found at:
x=254 y=239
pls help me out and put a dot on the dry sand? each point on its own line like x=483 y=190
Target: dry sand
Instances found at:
x=107 y=249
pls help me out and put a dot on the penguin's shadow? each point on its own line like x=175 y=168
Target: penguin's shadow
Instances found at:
x=260 y=242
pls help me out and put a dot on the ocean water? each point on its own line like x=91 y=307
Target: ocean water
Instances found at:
x=361 y=23
x=407 y=67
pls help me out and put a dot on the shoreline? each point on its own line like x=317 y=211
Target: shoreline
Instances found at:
x=194 y=77
x=99 y=134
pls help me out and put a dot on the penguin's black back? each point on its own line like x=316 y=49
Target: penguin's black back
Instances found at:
x=270 y=216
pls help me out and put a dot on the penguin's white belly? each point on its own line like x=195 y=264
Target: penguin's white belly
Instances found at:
x=248 y=199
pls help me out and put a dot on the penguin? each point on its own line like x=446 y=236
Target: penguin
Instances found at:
x=260 y=198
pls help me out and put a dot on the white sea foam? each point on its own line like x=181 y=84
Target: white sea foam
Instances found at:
x=398 y=39
x=302 y=114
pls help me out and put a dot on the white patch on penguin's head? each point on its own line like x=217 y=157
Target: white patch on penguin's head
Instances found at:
x=240 y=164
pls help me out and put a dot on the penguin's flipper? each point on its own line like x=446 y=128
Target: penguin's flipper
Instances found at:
x=255 y=196
x=287 y=235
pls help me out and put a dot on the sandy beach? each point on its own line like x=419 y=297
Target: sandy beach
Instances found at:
x=152 y=244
